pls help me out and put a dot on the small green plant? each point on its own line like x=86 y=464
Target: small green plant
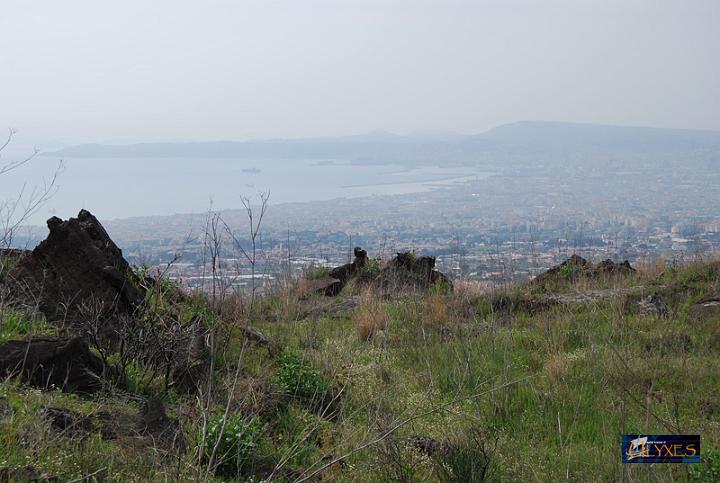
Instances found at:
x=709 y=467
x=371 y=269
x=235 y=446
x=568 y=270
x=298 y=378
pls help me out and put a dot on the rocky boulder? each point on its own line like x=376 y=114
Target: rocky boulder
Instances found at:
x=577 y=267
x=327 y=286
x=407 y=270
x=332 y=284
x=75 y=269
x=608 y=267
x=345 y=272
x=567 y=270
x=48 y=362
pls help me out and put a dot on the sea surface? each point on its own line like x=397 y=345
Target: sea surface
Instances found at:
x=114 y=188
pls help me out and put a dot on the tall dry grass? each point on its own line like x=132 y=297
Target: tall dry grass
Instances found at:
x=370 y=317
x=436 y=312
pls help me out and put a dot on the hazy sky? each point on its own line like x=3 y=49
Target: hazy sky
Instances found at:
x=97 y=71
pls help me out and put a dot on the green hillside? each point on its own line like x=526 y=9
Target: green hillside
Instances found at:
x=531 y=382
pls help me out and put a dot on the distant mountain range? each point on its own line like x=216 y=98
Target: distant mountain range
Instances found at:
x=520 y=141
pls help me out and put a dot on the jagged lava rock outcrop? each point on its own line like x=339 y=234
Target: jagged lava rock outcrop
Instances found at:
x=349 y=270
x=576 y=266
x=338 y=277
x=407 y=270
x=52 y=362
x=77 y=266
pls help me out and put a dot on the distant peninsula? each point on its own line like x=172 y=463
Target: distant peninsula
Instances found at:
x=519 y=141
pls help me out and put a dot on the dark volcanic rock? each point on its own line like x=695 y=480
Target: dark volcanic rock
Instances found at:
x=77 y=266
x=577 y=267
x=333 y=284
x=404 y=271
x=328 y=286
x=48 y=362
x=349 y=270
x=407 y=270
x=567 y=270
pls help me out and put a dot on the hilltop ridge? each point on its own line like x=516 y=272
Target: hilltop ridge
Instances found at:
x=512 y=140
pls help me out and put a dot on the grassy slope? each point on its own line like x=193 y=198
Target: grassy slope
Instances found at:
x=590 y=372
x=586 y=374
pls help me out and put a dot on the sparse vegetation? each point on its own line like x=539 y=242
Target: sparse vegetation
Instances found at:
x=517 y=383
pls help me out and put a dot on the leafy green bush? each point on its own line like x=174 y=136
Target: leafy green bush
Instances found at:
x=298 y=378
x=371 y=269
x=238 y=443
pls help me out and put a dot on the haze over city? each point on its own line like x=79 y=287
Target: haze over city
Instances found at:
x=101 y=71
x=173 y=108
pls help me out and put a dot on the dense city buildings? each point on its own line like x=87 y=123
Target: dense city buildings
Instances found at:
x=508 y=226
